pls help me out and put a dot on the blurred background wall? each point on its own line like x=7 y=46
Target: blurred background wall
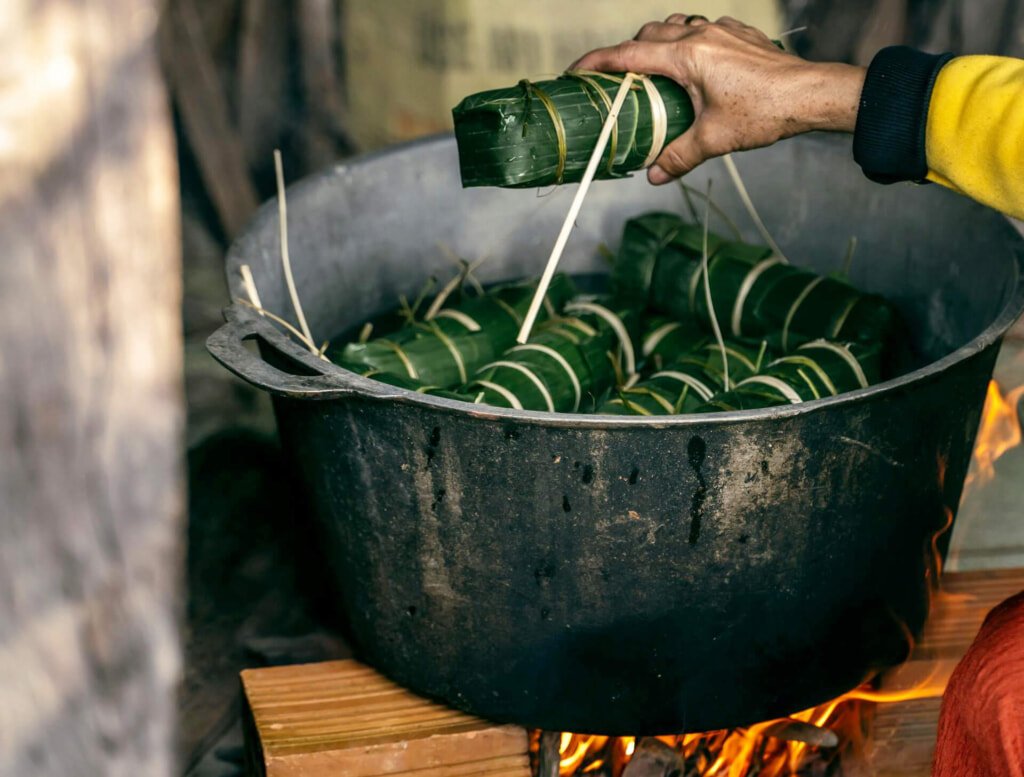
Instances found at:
x=91 y=407
x=409 y=61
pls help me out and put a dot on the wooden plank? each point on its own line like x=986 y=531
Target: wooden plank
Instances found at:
x=214 y=140
x=91 y=489
x=343 y=718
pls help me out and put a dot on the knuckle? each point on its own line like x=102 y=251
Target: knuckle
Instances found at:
x=627 y=48
x=703 y=139
x=648 y=30
x=700 y=43
x=673 y=160
x=714 y=142
x=676 y=18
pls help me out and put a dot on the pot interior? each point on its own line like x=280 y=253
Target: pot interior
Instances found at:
x=365 y=232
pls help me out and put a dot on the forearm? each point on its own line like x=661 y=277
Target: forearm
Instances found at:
x=829 y=96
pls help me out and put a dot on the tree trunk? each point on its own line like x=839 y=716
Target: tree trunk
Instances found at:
x=90 y=393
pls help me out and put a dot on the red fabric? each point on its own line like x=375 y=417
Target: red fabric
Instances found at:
x=981 y=726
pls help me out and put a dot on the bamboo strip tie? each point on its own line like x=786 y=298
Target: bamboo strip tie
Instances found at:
x=707 y=291
x=282 y=212
x=574 y=208
x=748 y=203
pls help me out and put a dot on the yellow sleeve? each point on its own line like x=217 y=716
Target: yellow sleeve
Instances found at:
x=975 y=131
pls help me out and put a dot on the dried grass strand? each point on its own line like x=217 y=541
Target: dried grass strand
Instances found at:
x=707 y=290
x=273 y=317
x=719 y=211
x=282 y=212
x=748 y=203
x=250 y=287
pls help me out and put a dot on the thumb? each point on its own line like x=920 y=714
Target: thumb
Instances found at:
x=636 y=56
x=679 y=157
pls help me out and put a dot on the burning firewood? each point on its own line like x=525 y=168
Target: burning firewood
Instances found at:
x=653 y=758
x=548 y=754
x=792 y=730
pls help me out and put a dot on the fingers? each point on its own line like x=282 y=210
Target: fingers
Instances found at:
x=637 y=56
x=642 y=55
x=733 y=25
x=686 y=20
x=728 y=21
x=678 y=158
x=623 y=57
x=661 y=32
x=745 y=30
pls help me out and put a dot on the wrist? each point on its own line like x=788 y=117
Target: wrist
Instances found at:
x=829 y=96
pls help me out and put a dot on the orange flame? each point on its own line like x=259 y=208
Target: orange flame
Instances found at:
x=999 y=432
x=748 y=752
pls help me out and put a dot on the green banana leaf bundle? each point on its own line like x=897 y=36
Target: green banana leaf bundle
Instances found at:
x=665 y=339
x=566 y=365
x=538 y=134
x=814 y=370
x=448 y=349
x=689 y=381
x=409 y=384
x=754 y=293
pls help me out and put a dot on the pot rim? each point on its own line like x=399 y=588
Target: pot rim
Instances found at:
x=338 y=383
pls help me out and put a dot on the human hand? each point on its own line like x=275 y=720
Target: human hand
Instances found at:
x=746 y=92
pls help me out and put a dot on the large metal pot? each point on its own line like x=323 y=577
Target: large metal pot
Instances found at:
x=614 y=574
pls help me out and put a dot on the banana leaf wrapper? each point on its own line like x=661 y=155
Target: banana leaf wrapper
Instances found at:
x=687 y=383
x=659 y=265
x=798 y=306
x=754 y=293
x=666 y=339
x=651 y=240
x=415 y=385
x=814 y=370
x=447 y=350
x=539 y=134
x=565 y=367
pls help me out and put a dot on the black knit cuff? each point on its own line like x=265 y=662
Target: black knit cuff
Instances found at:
x=889 y=140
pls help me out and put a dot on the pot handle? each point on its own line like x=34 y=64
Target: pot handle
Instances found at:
x=227 y=346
